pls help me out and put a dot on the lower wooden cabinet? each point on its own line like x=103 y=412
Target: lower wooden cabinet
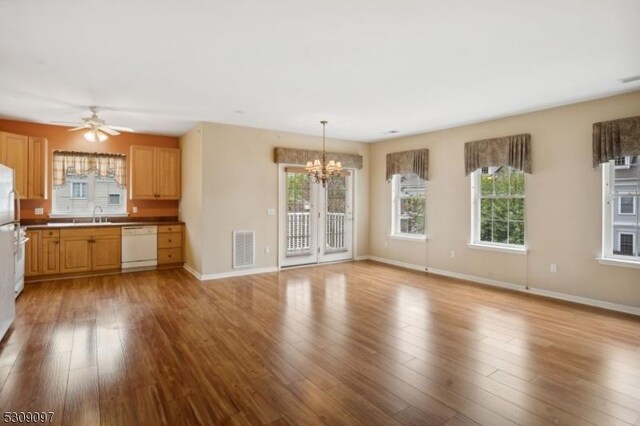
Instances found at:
x=170 y=244
x=83 y=250
x=42 y=253
x=90 y=249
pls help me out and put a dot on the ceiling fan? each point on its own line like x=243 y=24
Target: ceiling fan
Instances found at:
x=97 y=129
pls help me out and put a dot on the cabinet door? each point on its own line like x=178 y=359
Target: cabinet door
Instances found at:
x=15 y=149
x=50 y=255
x=75 y=254
x=33 y=254
x=106 y=253
x=168 y=173
x=143 y=180
x=37 y=180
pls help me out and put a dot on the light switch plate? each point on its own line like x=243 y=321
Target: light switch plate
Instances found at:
x=38 y=210
x=271 y=212
x=135 y=209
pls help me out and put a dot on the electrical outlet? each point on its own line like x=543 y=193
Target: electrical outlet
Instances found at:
x=553 y=268
x=267 y=250
x=453 y=254
x=135 y=209
x=38 y=210
x=385 y=243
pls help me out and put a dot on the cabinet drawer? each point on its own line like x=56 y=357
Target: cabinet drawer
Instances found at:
x=171 y=240
x=169 y=255
x=51 y=233
x=162 y=229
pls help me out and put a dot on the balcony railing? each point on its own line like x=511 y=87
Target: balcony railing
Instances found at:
x=299 y=232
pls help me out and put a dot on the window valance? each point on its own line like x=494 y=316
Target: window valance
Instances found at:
x=83 y=163
x=615 y=138
x=513 y=151
x=302 y=156
x=415 y=161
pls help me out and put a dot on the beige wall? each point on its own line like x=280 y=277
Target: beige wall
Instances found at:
x=563 y=201
x=191 y=202
x=240 y=182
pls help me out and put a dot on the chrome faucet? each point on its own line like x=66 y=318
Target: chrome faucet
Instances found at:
x=93 y=218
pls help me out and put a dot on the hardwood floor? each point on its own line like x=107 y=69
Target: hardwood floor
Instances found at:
x=351 y=343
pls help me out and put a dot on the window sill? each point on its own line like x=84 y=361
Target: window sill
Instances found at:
x=501 y=249
x=618 y=262
x=84 y=215
x=421 y=239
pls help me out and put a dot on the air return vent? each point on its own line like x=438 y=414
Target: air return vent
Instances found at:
x=244 y=244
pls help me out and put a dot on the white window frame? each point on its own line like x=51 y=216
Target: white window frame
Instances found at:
x=633 y=240
x=75 y=182
x=475 y=241
x=607 y=257
x=395 y=213
x=620 y=206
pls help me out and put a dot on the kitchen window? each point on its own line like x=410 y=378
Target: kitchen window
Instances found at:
x=409 y=206
x=83 y=182
x=621 y=221
x=498 y=208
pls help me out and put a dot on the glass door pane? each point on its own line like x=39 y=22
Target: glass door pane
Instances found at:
x=298 y=208
x=336 y=227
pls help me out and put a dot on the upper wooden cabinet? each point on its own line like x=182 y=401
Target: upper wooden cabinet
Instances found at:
x=14 y=153
x=155 y=173
x=37 y=178
x=27 y=157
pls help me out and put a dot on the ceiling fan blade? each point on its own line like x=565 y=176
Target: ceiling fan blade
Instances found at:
x=108 y=130
x=78 y=128
x=122 y=129
x=66 y=123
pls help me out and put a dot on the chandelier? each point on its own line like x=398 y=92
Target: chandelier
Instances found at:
x=320 y=170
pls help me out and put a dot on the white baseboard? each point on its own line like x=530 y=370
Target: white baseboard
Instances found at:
x=517 y=287
x=230 y=274
x=192 y=271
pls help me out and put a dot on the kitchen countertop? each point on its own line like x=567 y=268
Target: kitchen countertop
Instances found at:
x=64 y=225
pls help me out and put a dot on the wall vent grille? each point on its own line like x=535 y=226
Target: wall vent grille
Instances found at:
x=244 y=249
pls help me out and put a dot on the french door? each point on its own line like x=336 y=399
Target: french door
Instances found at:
x=316 y=223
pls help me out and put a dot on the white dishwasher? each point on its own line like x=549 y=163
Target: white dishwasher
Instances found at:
x=139 y=246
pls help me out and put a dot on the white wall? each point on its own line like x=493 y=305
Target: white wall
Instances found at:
x=239 y=182
x=563 y=202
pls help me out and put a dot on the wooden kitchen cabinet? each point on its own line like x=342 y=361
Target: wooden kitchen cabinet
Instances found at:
x=106 y=253
x=170 y=244
x=75 y=254
x=89 y=249
x=14 y=153
x=155 y=173
x=42 y=252
x=33 y=254
x=27 y=156
x=37 y=169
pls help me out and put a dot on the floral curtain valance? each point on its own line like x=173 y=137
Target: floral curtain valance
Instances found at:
x=80 y=164
x=513 y=151
x=615 y=138
x=302 y=156
x=416 y=161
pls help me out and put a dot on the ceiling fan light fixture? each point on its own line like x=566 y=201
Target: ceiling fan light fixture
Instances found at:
x=95 y=136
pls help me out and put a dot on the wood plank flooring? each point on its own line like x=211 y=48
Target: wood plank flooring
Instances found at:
x=350 y=343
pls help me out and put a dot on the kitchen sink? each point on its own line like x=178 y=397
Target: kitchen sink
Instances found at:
x=64 y=224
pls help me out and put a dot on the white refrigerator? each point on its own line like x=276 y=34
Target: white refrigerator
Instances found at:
x=8 y=248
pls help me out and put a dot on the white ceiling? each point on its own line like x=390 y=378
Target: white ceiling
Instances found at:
x=368 y=66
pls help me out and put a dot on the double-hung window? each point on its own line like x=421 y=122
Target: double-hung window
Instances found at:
x=621 y=221
x=498 y=208
x=409 y=206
